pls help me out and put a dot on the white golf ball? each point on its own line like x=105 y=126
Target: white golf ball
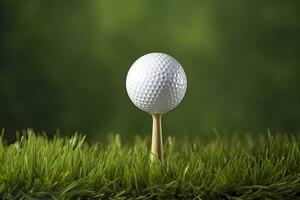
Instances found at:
x=156 y=83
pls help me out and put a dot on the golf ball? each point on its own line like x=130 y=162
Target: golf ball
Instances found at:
x=156 y=83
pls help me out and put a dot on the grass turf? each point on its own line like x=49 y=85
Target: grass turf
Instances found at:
x=36 y=167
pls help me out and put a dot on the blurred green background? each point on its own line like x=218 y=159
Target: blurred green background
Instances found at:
x=63 y=65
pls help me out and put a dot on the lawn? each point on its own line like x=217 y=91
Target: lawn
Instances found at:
x=235 y=167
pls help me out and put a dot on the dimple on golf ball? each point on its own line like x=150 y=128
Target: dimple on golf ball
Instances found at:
x=156 y=83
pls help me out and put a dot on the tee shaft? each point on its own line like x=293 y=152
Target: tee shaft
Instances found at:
x=157 y=151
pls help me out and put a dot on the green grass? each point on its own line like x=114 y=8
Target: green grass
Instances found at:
x=36 y=167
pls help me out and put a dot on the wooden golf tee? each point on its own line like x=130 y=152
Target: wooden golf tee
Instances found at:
x=157 y=151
